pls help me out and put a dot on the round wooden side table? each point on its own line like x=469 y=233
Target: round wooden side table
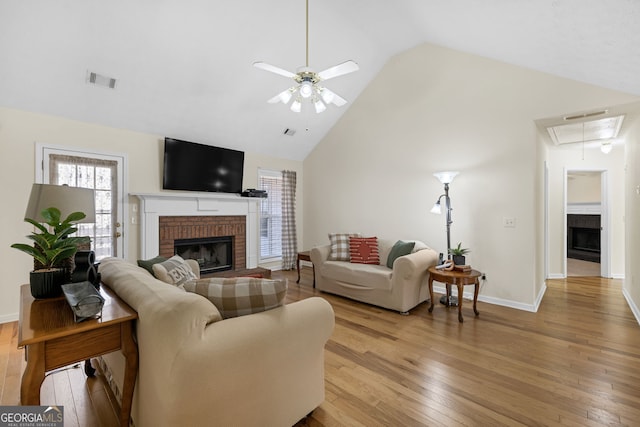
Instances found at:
x=458 y=278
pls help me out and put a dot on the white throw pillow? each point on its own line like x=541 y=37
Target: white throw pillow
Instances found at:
x=174 y=271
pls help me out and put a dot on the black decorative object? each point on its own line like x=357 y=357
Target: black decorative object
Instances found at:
x=85 y=269
x=85 y=301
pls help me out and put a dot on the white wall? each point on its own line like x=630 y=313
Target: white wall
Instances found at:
x=585 y=187
x=19 y=131
x=433 y=109
x=631 y=286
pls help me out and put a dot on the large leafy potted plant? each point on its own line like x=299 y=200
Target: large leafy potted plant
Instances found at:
x=458 y=254
x=51 y=251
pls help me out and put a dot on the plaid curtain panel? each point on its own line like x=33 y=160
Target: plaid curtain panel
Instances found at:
x=289 y=237
x=239 y=296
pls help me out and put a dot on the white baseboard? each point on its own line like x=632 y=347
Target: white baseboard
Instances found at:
x=492 y=300
x=9 y=318
x=618 y=276
x=632 y=305
x=556 y=276
x=543 y=289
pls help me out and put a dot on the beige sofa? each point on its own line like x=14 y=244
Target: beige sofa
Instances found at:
x=197 y=370
x=400 y=288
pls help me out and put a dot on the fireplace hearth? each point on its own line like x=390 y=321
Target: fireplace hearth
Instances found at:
x=212 y=253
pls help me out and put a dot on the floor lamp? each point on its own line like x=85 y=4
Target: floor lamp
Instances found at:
x=446 y=178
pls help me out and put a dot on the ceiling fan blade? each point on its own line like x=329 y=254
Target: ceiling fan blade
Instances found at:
x=284 y=96
x=273 y=69
x=330 y=97
x=338 y=70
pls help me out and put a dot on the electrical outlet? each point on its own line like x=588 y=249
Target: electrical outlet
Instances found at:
x=509 y=222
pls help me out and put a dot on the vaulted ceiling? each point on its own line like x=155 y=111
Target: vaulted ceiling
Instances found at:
x=184 y=67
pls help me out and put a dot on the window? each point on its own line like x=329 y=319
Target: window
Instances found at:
x=270 y=215
x=98 y=175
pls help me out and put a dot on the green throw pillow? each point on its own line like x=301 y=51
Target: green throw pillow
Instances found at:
x=399 y=249
x=147 y=264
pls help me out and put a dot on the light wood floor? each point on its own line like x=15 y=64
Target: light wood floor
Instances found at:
x=578 y=267
x=576 y=363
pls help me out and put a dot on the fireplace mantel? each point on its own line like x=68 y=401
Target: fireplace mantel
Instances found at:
x=155 y=205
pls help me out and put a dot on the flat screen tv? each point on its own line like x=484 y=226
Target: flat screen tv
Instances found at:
x=198 y=167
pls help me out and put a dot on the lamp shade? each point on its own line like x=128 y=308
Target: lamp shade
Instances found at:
x=436 y=209
x=446 y=177
x=66 y=199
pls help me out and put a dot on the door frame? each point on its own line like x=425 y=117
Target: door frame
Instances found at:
x=122 y=199
x=605 y=219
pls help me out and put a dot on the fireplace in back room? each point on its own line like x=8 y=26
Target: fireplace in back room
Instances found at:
x=212 y=253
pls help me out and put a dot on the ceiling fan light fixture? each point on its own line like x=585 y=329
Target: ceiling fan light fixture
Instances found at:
x=285 y=96
x=327 y=96
x=306 y=89
x=320 y=107
x=296 y=106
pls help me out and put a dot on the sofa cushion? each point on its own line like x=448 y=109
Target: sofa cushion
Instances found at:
x=238 y=296
x=365 y=276
x=174 y=271
x=339 y=244
x=147 y=264
x=401 y=248
x=364 y=250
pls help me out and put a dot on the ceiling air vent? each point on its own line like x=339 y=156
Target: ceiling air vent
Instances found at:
x=100 y=80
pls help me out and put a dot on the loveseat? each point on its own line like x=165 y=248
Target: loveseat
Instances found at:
x=399 y=288
x=196 y=369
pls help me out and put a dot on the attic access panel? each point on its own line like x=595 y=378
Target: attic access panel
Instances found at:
x=591 y=130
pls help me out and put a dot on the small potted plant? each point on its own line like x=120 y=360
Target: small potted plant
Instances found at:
x=52 y=251
x=458 y=254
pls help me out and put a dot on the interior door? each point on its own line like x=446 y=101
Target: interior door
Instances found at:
x=101 y=172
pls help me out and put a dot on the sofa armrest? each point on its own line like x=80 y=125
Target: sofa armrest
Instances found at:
x=415 y=264
x=320 y=254
x=279 y=352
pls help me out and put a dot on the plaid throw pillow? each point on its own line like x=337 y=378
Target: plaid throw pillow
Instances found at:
x=340 y=246
x=239 y=296
x=364 y=250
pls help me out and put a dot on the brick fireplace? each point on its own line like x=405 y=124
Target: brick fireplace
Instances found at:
x=165 y=217
x=172 y=228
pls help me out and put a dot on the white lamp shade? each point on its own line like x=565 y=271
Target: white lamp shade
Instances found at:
x=606 y=147
x=66 y=199
x=320 y=107
x=446 y=177
x=285 y=96
x=436 y=209
x=296 y=106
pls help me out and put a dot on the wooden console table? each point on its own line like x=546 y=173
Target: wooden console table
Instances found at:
x=52 y=340
x=460 y=279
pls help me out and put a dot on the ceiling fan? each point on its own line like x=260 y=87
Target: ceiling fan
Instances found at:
x=308 y=86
